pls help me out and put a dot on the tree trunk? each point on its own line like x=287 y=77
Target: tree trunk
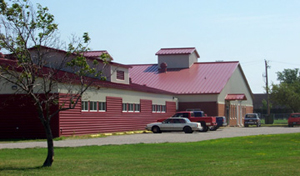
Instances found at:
x=50 y=156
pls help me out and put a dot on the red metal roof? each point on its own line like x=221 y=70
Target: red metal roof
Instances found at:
x=200 y=78
x=96 y=53
x=235 y=97
x=177 y=51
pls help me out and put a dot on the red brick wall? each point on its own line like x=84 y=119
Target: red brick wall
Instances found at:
x=221 y=110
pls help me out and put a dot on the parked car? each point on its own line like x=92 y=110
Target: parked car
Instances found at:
x=221 y=121
x=294 y=119
x=174 y=124
x=207 y=122
x=252 y=119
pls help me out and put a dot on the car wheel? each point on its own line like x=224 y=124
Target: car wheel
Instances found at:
x=187 y=129
x=214 y=128
x=291 y=125
x=155 y=129
x=204 y=127
x=246 y=125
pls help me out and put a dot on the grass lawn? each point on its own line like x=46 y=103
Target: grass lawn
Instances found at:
x=277 y=123
x=251 y=155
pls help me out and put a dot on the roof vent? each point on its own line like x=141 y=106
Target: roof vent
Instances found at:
x=163 y=67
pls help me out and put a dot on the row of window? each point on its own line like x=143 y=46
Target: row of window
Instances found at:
x=94 y=106
x=130 y=107
x=159 y=108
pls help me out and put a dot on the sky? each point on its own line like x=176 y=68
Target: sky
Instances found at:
x=132 y=31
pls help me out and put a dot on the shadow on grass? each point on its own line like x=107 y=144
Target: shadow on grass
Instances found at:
x=20 y=168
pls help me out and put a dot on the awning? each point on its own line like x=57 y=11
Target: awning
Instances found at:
x=231 y=97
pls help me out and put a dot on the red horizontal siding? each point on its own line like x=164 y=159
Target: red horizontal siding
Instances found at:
x=113 y=120
x=18 y=118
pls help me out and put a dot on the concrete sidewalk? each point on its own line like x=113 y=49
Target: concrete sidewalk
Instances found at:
x=157 y=138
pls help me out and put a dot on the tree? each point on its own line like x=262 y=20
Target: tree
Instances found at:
x=30 y=35
x=289 y=76
x=287 y=92
x=264 y=106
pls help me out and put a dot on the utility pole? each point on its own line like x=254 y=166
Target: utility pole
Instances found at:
x=267 y=87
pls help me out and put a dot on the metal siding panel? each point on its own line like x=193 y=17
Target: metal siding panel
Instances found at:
x=114 y=120
x=75 y=122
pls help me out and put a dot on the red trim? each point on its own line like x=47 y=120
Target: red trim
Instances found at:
x=231 y=97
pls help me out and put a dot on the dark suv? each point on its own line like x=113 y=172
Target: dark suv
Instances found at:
x=252 y=119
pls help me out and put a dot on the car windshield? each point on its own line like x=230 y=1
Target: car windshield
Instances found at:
x=187 y=121
x=250 y=116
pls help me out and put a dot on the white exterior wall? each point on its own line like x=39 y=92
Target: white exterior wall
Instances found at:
x=94 y=94
x=113 y=77
x=56 y=59
x=174 y=61
x=236 y=85
x=178 y=61
x=7 y=88
x=192 y=59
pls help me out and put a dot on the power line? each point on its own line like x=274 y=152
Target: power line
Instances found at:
x=285 y=63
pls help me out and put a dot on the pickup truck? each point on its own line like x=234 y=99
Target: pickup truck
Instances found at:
x=198 y=116
x=294 y=119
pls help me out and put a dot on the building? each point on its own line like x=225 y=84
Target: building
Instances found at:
x=133 y=95
x=114 y=105
x=217 y=88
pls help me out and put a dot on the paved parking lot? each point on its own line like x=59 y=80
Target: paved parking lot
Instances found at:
x=159 y=138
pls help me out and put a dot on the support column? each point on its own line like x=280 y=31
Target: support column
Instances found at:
x=237 y=114
x=241 y=114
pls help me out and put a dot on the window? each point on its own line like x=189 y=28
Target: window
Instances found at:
x=158 y=108
x=130 y=107
x=137 y=108
x=102 y=106
x=84 y=106
x=163 y=108
x=93 y=106
x=124 y=107
x=153 y=108
x=120 y=75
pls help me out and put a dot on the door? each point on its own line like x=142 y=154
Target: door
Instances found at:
x=167 y=125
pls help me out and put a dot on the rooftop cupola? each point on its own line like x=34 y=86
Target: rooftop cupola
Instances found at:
x=177 y=57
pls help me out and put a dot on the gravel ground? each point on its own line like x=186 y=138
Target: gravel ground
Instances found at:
x=158 y=138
